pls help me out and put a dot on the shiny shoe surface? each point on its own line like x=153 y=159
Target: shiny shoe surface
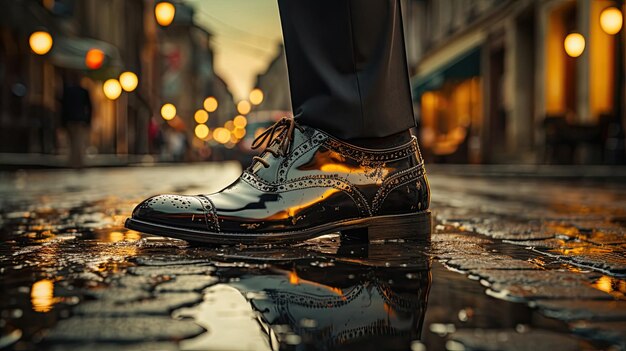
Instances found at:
x=306 y=183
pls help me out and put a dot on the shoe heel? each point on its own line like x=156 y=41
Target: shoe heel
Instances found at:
x=414 y=227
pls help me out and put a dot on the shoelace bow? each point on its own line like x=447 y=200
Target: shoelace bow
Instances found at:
x=282 y=131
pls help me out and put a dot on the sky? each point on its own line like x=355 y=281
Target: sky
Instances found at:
x=247 y=35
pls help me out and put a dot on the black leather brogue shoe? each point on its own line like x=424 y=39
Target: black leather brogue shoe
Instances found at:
x=305 y=183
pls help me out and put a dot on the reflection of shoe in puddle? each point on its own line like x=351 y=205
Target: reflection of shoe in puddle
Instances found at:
x=342 y=303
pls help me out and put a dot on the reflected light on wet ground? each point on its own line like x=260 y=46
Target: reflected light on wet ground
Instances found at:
x=42 y=295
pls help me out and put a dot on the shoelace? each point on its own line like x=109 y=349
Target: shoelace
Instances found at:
x=281 y=131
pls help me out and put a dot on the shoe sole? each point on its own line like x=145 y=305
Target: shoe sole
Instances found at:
x=414 y=226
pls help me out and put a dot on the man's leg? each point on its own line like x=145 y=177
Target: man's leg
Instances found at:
x=347 y=66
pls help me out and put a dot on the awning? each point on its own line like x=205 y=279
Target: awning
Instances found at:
x=463 y=66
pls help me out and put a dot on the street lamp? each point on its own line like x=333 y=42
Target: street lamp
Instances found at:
x=164 y=13
x=112 y=89
x=210 y=104
x=611 y=20
x=168 y=111
x=94 y=58
x=574 y=44
x=40 y=42
x=129 y=81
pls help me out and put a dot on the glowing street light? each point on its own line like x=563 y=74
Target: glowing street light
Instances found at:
x=168 y=111
x=112 y=89
x=611 y=20
x=201 y=131
x=244 y=107
x=201 y=116
x=129 y=81
x=210 y=104
x=256 y=96
x=40 y=42
x=574 y=44
x=94 y=58
x=164 y=13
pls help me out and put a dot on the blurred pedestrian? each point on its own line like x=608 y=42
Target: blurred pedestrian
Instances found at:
x=76 y=113
x=346 y=163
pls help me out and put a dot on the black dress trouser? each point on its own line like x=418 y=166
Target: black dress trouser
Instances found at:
x=347 y=66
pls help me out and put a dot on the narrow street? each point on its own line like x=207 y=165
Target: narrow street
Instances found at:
x=535 y=259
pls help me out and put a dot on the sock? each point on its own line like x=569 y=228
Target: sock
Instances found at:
x=383 y=142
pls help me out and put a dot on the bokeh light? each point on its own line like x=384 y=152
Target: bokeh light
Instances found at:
x=221 y=135
x=240 y=121
x=168 y=111
x=574 y=44
x=129 y=81
x=611 y=20
x=112 y=89
x=42 y=295
x=201 y=116
x=229 y=125
x=239 y=132
x=94 y=58
x=201 y=131
x=244 y=107
x=40 y=42
x=256 y=96
x=210 y=104
x=164 y=13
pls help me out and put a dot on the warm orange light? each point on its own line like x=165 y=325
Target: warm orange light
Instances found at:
x=94 y=58
x=201 y=116
x=293 y=278
x=164 y=13
x=201 y=131
x=210 y=104
x=240 y=121
x=168 y=111
x=244 y=107
x=129 y=81
x=574 y=44
x=229 y=125
x=221 y=135
x=239 y=133
x=115 y=236
x=256 y=96
x=40 y=42
x=42 y=295
x=611 y=20
x=112 y=89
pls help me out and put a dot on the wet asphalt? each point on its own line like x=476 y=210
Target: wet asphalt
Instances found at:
x=514 y=263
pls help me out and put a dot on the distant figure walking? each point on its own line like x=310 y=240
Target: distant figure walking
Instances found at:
x=76 y=117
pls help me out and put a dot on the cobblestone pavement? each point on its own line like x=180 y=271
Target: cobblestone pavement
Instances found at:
x=513 y=264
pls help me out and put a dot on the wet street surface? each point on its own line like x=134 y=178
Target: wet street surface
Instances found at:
x=513 y=264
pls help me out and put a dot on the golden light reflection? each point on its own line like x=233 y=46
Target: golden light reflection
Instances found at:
x=610 y=285
x=129 y=81
x=244 y=107
x=112 y=89
x=611 y=20
x=240 y=121
x=239 y=132
x=293 y=278
x=132 y=235
x=168 y=111
x=210 y=104
x=574 y=44
x=164 y=13
x=40 y=42
x=42 y=295
x=116 y=236
x=256 y=96
x=201 y=131
x=201 y=116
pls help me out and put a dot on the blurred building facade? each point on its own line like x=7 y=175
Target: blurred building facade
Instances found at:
x=492 y=82
x=173 y=64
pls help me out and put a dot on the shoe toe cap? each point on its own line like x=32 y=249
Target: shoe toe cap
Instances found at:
x=169 y=208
